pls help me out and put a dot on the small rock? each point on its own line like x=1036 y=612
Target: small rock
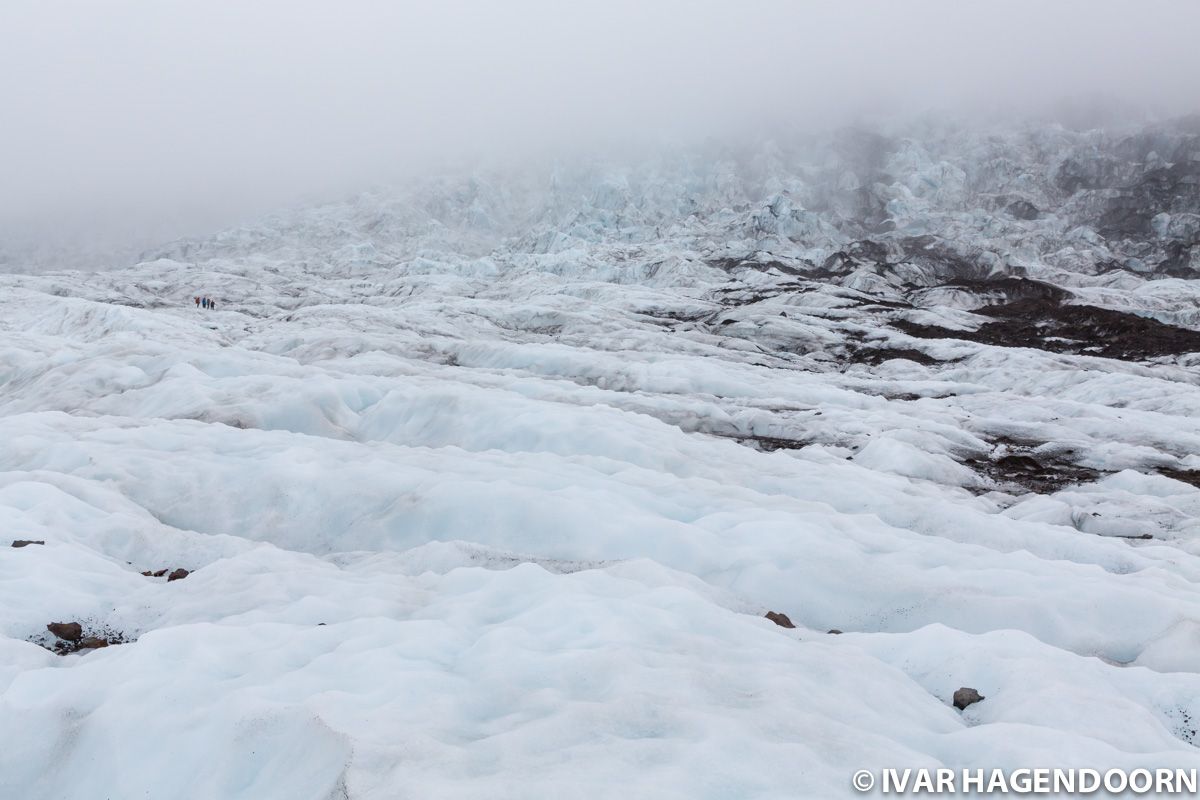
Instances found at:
x=158 y=573
x=177 y=575
x=24 y=542
x=92 y=643
x=965 y=697
x=779 y=619
x=71 y=631
x=146 y=573
x=833 y=630
x=1023 y=209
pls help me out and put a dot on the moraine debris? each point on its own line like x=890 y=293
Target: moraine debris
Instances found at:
x=70 y=638
x=177 y=574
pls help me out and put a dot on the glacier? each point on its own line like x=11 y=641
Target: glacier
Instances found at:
x=486 y=483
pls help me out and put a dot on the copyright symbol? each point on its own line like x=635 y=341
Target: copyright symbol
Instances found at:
x=863 y=780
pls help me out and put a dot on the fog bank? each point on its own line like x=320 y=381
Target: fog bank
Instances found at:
x=127 y=121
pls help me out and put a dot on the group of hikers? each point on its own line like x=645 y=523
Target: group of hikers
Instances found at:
x=205 y=302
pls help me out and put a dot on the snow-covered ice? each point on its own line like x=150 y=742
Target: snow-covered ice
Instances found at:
x=486 y=486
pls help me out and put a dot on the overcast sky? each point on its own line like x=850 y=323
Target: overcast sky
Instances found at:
x=158 y=114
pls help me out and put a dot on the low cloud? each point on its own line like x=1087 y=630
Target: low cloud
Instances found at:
x=131 y=119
